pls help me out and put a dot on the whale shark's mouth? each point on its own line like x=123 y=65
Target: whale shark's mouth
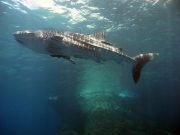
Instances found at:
x=17 y=36
x=20 y=41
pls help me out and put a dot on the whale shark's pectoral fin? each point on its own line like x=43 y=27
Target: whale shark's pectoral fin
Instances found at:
x=64 y=57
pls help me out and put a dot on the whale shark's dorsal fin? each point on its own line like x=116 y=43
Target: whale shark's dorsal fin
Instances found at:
x=100 y=36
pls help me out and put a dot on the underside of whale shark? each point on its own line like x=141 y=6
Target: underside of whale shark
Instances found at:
x=67 y=45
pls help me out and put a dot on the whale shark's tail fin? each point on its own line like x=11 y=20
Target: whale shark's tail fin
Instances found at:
x=141 y=60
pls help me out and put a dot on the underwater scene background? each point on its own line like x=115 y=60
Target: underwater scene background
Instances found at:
x=41 y=95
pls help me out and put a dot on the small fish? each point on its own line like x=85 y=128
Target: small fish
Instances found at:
x=66 y=45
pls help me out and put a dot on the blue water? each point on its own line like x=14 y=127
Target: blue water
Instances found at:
x=38 y=94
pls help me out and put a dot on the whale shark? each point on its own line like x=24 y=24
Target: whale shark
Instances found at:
x=69 y=45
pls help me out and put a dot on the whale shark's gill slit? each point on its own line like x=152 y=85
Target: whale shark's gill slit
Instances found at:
x=57 y=39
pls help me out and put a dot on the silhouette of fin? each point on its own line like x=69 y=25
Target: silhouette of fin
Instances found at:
x=141 y=60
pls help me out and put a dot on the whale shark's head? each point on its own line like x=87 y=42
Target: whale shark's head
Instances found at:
x=28 y=37
x=35 y=40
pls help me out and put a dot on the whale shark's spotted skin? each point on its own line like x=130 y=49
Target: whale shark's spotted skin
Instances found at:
x=80 y=40
x=62 y=44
